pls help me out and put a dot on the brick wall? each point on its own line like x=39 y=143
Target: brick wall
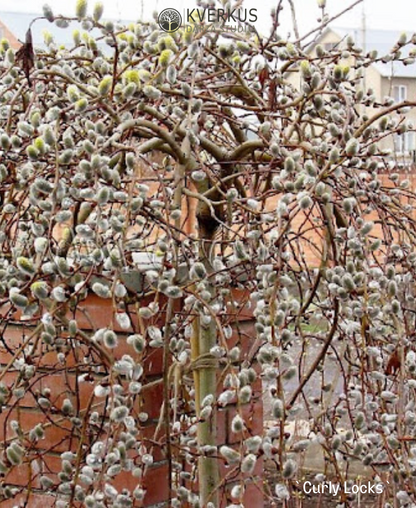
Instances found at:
x=61 y=380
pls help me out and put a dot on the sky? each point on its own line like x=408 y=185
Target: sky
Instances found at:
x=390 y=14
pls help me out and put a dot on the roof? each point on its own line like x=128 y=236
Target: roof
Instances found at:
x=19 y=22
x=382 y=41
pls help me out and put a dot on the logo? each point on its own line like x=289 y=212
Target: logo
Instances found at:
x=213 y=15
x=169 y=20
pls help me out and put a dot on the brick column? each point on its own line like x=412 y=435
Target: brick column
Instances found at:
x=56 y=381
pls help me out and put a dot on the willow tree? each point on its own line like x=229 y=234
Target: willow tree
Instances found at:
x=195 y=160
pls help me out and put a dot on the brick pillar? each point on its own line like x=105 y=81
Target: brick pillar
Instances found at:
x=61 y=380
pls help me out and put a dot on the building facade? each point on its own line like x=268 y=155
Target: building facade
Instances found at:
x=385 y=79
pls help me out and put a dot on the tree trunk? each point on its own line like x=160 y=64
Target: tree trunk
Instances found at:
x=206 y=370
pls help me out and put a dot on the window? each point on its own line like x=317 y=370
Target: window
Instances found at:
x=402 y=142
x=399 y=93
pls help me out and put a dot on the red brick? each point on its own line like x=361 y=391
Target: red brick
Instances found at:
x=222 y=425
x=156 y=480
x=20 y=475
x=153 y=363
x=156 y=483
x=34 y=501
x=31 y=470
x=57 y=438
x=252 y=416
x=96 y=312
x=61 y=386
x=151 y=400
x=253 y=494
